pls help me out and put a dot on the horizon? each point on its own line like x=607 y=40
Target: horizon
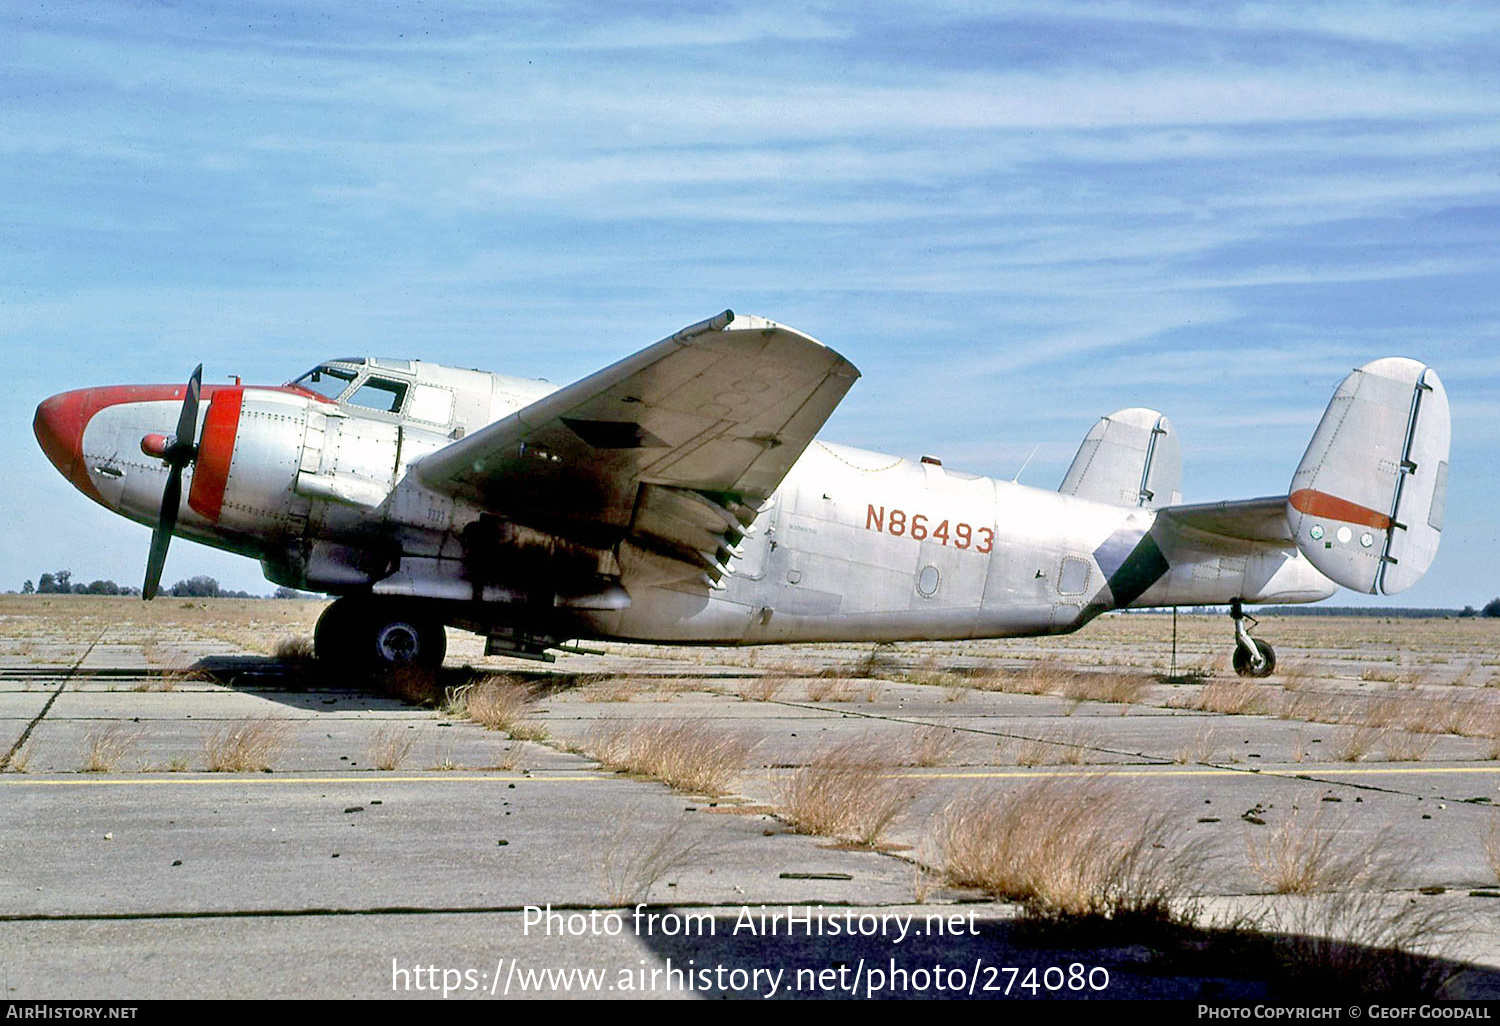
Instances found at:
x=1013 y=221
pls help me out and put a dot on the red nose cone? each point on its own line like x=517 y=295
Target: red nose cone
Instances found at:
x=59 y=428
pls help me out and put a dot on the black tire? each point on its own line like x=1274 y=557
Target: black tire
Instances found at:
x=1242 y=660
x=363 y=634
x=334 y=637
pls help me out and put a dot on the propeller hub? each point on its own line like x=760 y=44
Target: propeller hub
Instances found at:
x=156 y=445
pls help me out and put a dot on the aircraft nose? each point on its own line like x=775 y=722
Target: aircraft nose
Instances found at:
x=59 y=426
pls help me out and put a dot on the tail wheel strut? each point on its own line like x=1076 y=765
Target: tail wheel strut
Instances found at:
x=1252 y=657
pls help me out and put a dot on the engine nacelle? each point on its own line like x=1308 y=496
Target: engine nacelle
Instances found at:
x=249 y=453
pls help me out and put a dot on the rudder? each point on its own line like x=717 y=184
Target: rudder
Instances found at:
x=1129 y=458
x=1367 y=500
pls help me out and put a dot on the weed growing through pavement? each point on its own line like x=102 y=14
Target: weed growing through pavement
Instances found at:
x=1073 y=848
x=498 y=703
x=249 y=745
x=847 y=790
x=105 y=748
x=690 y=755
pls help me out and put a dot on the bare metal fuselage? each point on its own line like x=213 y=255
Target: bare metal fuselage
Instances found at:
x=852 y=545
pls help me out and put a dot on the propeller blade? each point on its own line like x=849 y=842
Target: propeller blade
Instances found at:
x=178 y=454
x=162 y=536
x=182 y=451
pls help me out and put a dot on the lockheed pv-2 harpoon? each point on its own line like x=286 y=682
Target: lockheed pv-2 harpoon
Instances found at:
x=680 y=496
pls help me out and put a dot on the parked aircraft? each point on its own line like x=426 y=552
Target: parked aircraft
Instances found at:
x=680 y=496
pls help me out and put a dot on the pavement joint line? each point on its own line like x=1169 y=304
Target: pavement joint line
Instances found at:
x=1154 y=760
x=573 y=776
x=25 y=734
x=1157 y=761
x=440 y=910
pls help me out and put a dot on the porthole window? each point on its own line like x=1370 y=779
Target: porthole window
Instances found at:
x=927 y=581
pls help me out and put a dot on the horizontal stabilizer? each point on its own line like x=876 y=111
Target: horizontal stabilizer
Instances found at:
x=1366 y=502
x=1130 y=458
x=1254 y=520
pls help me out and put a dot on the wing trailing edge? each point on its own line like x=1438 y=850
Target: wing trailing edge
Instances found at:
x=674 y=447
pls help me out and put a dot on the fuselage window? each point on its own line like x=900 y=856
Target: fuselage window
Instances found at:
x=379 y=394
x=434 y=405
x=325 y=381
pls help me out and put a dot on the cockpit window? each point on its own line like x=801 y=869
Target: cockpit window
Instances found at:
x=379 y=394
x=326 y=381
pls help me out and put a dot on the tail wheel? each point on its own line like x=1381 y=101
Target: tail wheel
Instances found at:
x=1243 y=666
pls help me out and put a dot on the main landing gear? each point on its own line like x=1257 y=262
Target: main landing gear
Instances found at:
x=379 y=634
x=1252 y=657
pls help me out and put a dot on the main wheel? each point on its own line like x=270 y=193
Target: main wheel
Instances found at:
x=403 y=638
x=1242 y=660
x=365 y=634
x=334 y=637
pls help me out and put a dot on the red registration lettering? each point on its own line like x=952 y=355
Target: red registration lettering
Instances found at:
x=899 y=523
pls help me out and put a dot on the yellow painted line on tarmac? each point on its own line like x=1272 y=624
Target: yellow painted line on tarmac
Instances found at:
x=264 y=779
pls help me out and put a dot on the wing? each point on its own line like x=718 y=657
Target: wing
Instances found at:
x=675 y=447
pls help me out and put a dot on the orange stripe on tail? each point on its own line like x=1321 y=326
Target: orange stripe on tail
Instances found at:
x=1321 y=504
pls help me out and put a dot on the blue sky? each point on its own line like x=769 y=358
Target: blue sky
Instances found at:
x=1012 y=217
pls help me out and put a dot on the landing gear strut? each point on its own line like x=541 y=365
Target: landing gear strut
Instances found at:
x=374 y=634
x=1252 y=657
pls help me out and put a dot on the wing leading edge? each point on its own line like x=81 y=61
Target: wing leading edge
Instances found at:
x=676 y=446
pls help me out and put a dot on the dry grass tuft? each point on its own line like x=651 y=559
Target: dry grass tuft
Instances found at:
x=845 y=791
x=1116 y=688
x=1364 y=941
x=1295 y=676
x=105 y=748
x=18 y=761
x=1200 y=749
x=498 y=703
x=1232 y=698
x=1065 y=848
x=635 y=860
x=832 y=689
x=764 y=688
x=1468 y=717
x=389 y=746
x=933 y=746
x=689 y=755
x=1359 y=933
x=1491 y=845
x=297 y=650
x=1358 y=743
x=612 y=690
x=1051 y=750
x=1305 y=855
x=1402 y=746
x=244 y=746
x=414 y=685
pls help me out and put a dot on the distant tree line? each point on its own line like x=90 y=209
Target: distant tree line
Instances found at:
x=61 y=583
x=201 y=586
